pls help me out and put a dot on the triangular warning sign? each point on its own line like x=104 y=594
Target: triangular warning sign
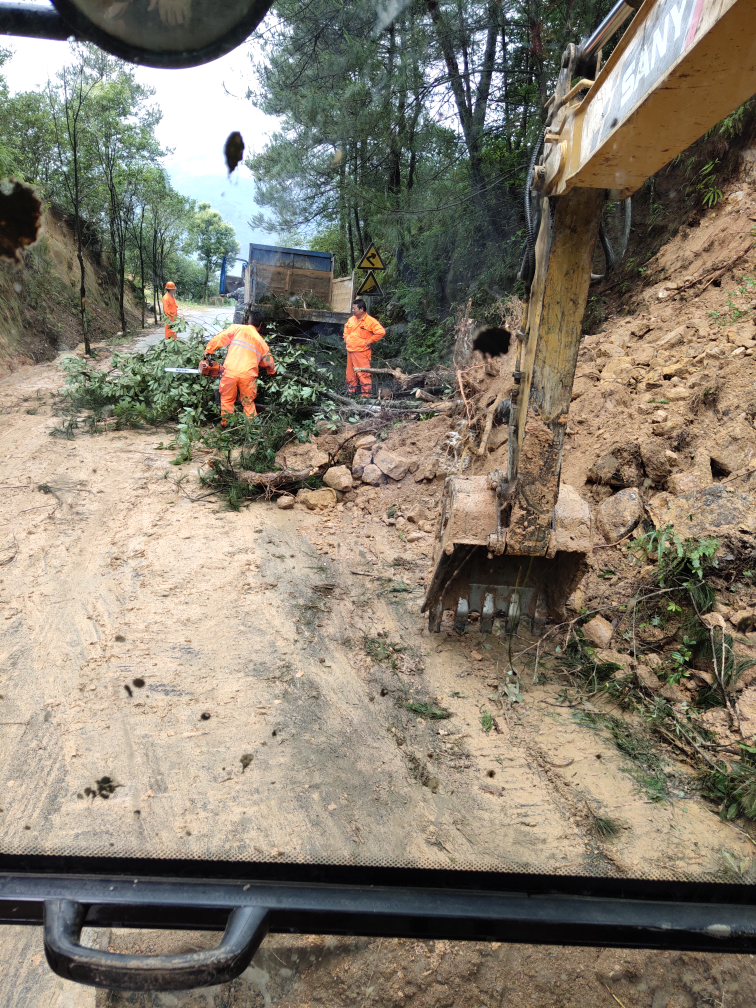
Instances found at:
x=372 y=259
x=370 y=286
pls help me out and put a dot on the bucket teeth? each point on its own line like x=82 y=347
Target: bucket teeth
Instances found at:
x=434 y=619
x=487 y=614
x=460 y=617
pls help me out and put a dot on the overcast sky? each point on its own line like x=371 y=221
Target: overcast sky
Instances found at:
x=200 y=106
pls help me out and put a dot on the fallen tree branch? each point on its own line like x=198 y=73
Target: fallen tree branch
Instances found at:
x=271 y=480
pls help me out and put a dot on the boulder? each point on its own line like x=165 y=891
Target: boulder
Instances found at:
x=299 y=455
x=716 y=510
x=391 y=464
x=572 y=521
x=362 y=458
x=657 y=461
x=615 y=657
x=427 y=471
x=372 y=475
x=316 y=499
x=286 y=502
x=598 y=631
x=694 y=479
x=619 y=514
x=648 y=678
x=365 y=441
x=733 y=448
x=621 y=467
x=743 y=621
x=617 y=368
x=339 y=478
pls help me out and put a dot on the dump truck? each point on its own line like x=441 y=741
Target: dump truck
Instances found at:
x=292 y=277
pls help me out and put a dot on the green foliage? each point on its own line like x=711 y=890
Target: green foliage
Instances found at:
x=734 y=312
x=429 y=710
x=213 y=238
x=136 y=390
x=486 y=720
x=680 y=563
x=633 y=742
x=706 y=184
x=734 y=787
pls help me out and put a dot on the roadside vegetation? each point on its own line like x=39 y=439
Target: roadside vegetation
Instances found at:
x=669 y=634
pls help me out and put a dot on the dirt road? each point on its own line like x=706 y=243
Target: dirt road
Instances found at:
x=181 y=680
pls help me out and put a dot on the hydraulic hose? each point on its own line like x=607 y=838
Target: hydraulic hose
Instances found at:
x=532 y=222
x=610 y=256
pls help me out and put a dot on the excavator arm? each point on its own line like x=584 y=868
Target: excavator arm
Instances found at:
x=514 y=544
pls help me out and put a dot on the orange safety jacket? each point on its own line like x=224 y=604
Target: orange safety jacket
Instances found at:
x=360 y=333
x=169 y=305
x=247 y=351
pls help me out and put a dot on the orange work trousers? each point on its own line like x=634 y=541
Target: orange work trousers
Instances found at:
x=359 y=358
x=169 y=333
x=247 y=388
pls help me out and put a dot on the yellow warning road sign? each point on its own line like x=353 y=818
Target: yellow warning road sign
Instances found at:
x=370 y=286
x=372 y=259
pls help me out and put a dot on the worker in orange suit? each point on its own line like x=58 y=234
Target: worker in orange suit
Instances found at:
x=360 y=332
x=170 y=308
x=247 y=353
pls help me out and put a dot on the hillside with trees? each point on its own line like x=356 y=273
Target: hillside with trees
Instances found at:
x=116 y=229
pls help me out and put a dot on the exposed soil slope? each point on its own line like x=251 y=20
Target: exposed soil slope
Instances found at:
x=39 y=300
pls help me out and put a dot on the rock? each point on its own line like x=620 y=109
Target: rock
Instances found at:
x=287 y=502
x=415 y=537
x=716 y=510
x=426 y=526
x=654 y=660
x=315 y=499
x=391 y=464
x=362 y=458
x=610 y=655
x=427 y=471
x=656 y=461
x=621 y=467
x=618 y=368
x=673 y=693
x=619 y=514
x=598 y=631
x=733 y=448
x=372 y=474
x=365 y=441
x=301 y=455
x=572 y=521
x=668 y=427
x=648 y=678
x=339 y=478
x=743 y=621
x=694 y=479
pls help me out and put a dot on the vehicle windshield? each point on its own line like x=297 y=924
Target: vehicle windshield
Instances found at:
x=402 y=555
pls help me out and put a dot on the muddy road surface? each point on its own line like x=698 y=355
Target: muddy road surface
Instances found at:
x=180 y=680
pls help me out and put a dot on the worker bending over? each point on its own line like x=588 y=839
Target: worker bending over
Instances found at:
x=359 y=332
x=247 y=353
x=170 y=308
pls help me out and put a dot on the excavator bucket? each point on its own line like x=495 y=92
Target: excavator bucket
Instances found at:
x=477 y=582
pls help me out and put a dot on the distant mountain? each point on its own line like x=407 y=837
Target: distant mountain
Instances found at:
x=233 y=198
